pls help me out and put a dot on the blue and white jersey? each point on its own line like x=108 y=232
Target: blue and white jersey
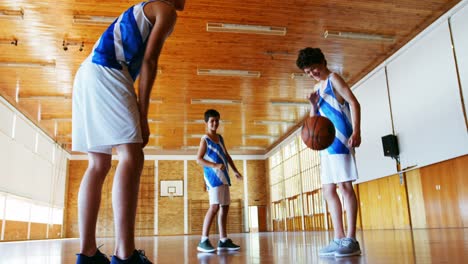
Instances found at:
x=124 y=41
x=340 y=115
x=216 y=153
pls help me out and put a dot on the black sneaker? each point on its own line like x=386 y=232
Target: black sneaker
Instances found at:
x=227 y=245
x=138 y=257
x=98 y=258
x=205 y=246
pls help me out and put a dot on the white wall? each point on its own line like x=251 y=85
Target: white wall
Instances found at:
x=33 y=166
x=375 y=122
x=425 y=99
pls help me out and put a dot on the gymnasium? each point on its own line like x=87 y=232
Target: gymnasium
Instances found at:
x=406 y=61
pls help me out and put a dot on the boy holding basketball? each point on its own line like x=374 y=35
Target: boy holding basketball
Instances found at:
x=335 y=100
x=214 y=158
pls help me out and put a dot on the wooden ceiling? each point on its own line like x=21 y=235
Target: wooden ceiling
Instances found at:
x=46 y=24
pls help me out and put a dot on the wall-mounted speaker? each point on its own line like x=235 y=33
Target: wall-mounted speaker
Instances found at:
x=390 y=146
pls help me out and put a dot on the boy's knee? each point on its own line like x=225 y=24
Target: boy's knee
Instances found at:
x=214 y=208
x=100 y=166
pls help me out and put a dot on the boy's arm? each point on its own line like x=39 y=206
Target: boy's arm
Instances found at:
x=344 y=91
x=313 y=100
x=202 y=162
x=231 y=163
x=164 y=24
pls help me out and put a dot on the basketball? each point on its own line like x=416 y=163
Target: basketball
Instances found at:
x=318 y=132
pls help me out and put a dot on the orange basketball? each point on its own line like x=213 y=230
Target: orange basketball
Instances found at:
x=318 y=132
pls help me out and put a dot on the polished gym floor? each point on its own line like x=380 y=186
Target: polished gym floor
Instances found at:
x=378 y=246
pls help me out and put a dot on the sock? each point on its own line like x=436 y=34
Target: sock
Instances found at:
x=203 y=239
x=223 y=239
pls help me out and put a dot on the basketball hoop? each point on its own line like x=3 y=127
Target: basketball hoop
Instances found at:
x=171 y=191
x=171 y=195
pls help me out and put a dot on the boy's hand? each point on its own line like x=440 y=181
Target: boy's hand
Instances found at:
x=313 y=100
x=355 y=140
x=238 y=175
x=220 y=166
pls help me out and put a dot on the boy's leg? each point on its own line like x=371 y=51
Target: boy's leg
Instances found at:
x=349 y=246
x=334 y=206
x=205 y=245
x=222 y=221
x=350 y=203
x=125 y=197
x=89 y=199
x=210 y=214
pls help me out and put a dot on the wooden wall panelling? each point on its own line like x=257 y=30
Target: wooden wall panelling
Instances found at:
x=38 y=231
x=170 y=211
x=384 y=208
x=416 y=199
x=196 y=183
x=144 y=222
x=55 y=231
x=16 y=230
x=257 y=185
x=364 y=204
x=398 y=203
x=441 y=195
x=461 y=172
x=76 y=169
x=237 y=186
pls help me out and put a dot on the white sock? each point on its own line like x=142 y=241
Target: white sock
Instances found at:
x=203 y=239
x=223 y=239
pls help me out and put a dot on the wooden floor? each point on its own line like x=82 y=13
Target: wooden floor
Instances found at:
x=378 y=246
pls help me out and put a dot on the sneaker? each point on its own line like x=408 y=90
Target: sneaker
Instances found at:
x=348 y=247
x=205 y=246
x=227 y=245
x=98 y=258
x=138 y=257
x=331 y=248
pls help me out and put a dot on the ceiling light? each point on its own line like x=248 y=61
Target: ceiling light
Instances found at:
x=230 y=73
x=290 y=103
x=12 y=41
x=359 y=36
x=154 y=121
x=190 y=147
x=295 y=75
x=273 y=122
x=260 y=136
x=194 y=135
x=153 y=147
x=156 y=100
x=202 y=121
x=45 y=97
x=252 y=29
x=215 y=101
x=92 y=20
x=27 y=64
x=250 y=148
x=62 y=119
x=11 y=14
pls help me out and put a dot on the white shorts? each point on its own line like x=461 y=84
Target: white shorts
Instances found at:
x=220 y=195
x=105 y=109
x=336 y=168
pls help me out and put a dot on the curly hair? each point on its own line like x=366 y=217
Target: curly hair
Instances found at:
x=211 y=113
x=309 y=56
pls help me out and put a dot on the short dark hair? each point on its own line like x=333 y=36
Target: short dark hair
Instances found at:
x=211 y=113
x=309 y=56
